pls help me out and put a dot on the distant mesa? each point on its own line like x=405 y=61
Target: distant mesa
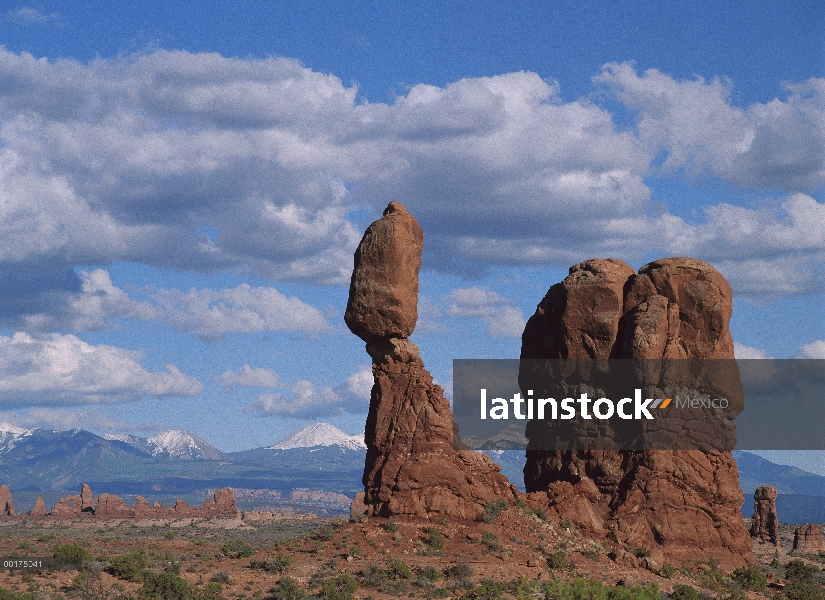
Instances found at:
x=108 y=506
x=320 y=434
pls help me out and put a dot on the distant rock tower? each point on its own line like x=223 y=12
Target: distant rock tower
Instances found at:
x=765 y=522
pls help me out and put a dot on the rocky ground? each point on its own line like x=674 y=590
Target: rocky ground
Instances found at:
x=516 y=555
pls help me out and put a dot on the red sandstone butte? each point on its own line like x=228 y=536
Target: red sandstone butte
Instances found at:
x=808 y=539
x=412 y=467
x=765 y=522
x=671 y=505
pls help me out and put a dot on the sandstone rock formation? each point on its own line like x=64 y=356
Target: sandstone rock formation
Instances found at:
x=765 y=522
x=222 y=505
x=87 y=504
x=68 y=507
x=6 y=504
x=383 y=294
x=808 y=539
x=669 y=505
x=39 y=509
x=412 y=467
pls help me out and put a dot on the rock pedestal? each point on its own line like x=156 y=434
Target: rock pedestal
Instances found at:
x=412 y=467
x=673 y=505
x=39 y=509
x=765 y=522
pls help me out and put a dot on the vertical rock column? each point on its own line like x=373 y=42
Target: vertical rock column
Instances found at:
x=412 y=467
x=670 y=505
x=765 y=522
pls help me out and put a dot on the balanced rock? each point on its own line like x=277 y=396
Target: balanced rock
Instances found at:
x=670 y=502
x=765 y=522
x=808 y=539
x=383 y=293
x=6 y=504
x=412 y=465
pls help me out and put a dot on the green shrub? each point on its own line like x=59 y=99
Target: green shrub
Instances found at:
x=131 y=566
x=682 y=591
x=557 y=560
x=221 y=577
x=165 y=586
x=286 y=589
x=277 y=564
x=492 y=510
x=492 y=591
x=71 y=552
x=460 y=570
x=397 y=569
x=238 y=549
x=342 y=587
x=211 y=591
x=750 y=578
x=490 y=542
x=668 y=570
x=436 y=540
x=391 y=525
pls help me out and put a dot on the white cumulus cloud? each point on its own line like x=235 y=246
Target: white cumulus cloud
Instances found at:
x=815 y=350
x=500 y=318
x=54 y=369
x=308 y=400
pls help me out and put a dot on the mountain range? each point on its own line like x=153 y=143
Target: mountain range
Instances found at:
x=320 y=456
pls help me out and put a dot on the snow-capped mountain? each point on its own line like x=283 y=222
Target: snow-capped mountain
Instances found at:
x=10 y=435
x=320 y=434
x=175 y=443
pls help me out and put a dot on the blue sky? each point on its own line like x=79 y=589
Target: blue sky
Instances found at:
x=182 y=187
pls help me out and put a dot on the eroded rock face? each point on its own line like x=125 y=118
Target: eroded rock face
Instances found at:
x=667 y=504
x=808 y=539
x=412 y=467
x=68 y=507
x=765 y=522
x=6 y=503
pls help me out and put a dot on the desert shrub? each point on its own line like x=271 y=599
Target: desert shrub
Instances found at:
x=325 y=533
x=286 y=589
x=165 y=586
x=668 y=570
x=71 y=552
x=391 y=525
x=442 y=521
x=490 y=541
x=490 y=591
x=557 y=560
x=211 y=591
x=9 y=595
x=397 y=569
x=540 y=514
x=238 y=549
x=750 y=578
x=277 y=564
x=682 y=591
x=591 y=589
x=435 y=540
x=131 y=566
x=221 y=577
x=460 y=570
x=342 y=587
x=492 y=510
x=429 y=574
